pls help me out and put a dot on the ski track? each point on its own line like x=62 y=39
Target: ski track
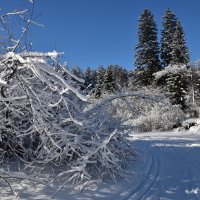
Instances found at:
x=174 y=167
x=167 y=168
x=175 y=170
x=142 y=188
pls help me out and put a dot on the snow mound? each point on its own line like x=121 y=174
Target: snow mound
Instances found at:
x=192 y=124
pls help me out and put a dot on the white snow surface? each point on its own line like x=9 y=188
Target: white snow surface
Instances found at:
x=171 y=69
x=167 y=168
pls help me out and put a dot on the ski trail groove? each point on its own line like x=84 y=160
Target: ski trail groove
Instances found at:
x=142 y=189
x=133 y=191
x=155 y=175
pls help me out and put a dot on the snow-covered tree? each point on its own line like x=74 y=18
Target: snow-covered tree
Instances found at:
x=174 y=53
x=90 y=79
x=120 y=76
x=196 y=84
x=173 y=45
x=109 y=83
x=88 y=76
x=147 y=50
x=99 y=82
x=194 y=92
x=47 y=123
x=167 y=34
x=180 y=53
x=175 y=81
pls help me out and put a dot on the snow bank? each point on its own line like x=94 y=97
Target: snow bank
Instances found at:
x=192 y=125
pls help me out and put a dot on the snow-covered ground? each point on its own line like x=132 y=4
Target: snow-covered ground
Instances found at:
x=167 y=168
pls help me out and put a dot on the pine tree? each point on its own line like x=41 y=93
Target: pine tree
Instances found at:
x=180 y=53
x=89 y=78
x=99 y=82
x=194 y=92
x=120 y=76
x=147 y=50
x=174 y=55
x=175 y=82
x=177 y=87
x=167 y=35
x=109 y=86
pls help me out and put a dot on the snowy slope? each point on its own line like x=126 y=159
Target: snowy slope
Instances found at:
x=168 y=167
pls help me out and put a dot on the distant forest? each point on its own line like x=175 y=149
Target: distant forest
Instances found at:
x=163 y=65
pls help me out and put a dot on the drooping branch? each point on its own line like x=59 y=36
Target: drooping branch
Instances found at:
x=105 y=101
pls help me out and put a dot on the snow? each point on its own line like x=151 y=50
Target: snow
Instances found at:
x=193 y=124
x=167 y=167
x=171 y=69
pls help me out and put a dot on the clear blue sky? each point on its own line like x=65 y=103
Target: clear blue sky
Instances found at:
x=103 y=32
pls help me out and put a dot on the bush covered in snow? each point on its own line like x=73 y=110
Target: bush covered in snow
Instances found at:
x=48 y=124
x=153 y=112
x=160 y=118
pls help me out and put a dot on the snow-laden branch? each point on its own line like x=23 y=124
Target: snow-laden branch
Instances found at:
x=53 y=54
x=14 y=38
x=16 y=12
x=105 y=101
x=71 y=74
x=46 y=123
x=7 y=175
x=171 y=69
x=36 y=62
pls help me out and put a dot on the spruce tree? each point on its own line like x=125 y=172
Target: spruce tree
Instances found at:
x=174 y=55
x=89 y=76
x=180 y=53
x=109 y=81
x=147 y=50
x=167 y=35
x=177 y=88
x=120 y=75
x=195 y=79
x=99 y=82
x=175 y=83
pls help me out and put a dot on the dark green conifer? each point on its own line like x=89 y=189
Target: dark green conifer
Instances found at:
x=99 y=82
x=167 y=35
x=180 y=53
x=109 y=84
x=147 y=50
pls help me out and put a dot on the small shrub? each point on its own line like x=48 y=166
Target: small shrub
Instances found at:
x=160 y=118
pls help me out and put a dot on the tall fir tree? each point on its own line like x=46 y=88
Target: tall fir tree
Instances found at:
x=175 y=82
x=109 y=84
x=167 y=34
x=177 y=88
x=180 y=53
x=147 y=50
x=99 y=82
x=120 y=75
x=174 y=53
x=195 y=79
x=89 y=76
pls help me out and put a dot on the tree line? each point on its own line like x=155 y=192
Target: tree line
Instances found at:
x=164 y=65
